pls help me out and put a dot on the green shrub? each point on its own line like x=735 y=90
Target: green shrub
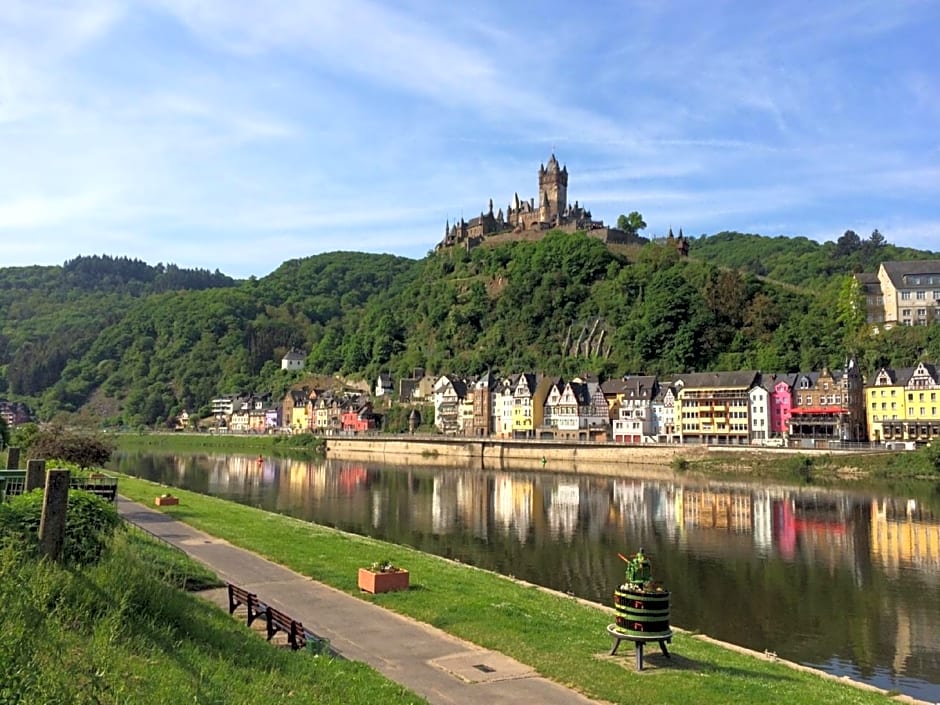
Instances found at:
x=90 y=523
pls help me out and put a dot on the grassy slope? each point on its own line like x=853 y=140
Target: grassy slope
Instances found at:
x=120 y=632
x=563 y=638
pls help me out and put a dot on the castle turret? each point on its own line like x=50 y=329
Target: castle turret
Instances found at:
x=553 y=182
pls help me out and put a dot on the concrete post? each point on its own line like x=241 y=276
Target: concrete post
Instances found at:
x=54 y=508
x=35 y=474
x=13 y=458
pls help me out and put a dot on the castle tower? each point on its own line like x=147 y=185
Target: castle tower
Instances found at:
x=553 y=187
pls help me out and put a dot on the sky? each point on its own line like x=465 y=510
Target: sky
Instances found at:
x=237 y=134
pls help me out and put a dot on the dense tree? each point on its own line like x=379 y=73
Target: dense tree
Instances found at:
x=85 y=450
x=848 y=244
x=632 y=223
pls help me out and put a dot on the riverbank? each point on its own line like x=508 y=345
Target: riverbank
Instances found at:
x=563 y=638
x=608 y=459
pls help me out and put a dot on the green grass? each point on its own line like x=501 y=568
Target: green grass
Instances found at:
x=563 y=638
x=123 y=632
x=300 y=444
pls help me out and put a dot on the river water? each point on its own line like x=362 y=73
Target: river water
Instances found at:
x=843 y=579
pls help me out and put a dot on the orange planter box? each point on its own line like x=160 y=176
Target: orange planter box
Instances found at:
x=166 y=501
x=382 y=582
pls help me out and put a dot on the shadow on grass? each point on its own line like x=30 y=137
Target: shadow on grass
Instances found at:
x=654 y=663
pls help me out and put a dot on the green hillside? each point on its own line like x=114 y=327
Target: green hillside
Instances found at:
x=137 y=344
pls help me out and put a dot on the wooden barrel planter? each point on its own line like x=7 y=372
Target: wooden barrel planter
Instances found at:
x=642 y=614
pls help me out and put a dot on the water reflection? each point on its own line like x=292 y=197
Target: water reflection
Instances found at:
x=846 y=581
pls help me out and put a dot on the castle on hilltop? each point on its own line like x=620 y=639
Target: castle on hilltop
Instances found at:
x=526 y=220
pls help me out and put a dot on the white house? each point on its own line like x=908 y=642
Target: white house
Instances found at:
x=759 y=400
x=293 y=360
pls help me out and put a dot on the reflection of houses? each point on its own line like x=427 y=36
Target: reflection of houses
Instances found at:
x=717 y=510
x=905 y=535
x=902 y=405
x=563 y=509
x=828 y=406
x=512 y=504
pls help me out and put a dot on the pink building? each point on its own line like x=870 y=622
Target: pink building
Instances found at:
x=781 y=404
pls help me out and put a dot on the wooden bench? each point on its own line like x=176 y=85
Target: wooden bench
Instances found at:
x=239 y=596
x=280 y=622
x=276 y=621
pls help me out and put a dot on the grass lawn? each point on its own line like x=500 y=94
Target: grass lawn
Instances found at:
x=563 y=638
x=125 y=631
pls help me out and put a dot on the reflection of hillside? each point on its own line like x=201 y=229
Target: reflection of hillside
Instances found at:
x=903 y=535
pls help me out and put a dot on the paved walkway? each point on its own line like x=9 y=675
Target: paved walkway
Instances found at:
x=436 y=665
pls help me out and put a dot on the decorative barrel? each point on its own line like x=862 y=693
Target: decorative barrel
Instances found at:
x=642 y=614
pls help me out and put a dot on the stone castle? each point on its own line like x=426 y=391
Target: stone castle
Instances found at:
x=526 y=220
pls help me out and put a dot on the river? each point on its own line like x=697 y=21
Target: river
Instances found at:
x=843 y=579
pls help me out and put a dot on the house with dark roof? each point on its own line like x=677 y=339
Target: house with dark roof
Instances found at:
x=904 y=404
x=293 y=360
x=910 y=292
x=828 y=407
x=712 y=407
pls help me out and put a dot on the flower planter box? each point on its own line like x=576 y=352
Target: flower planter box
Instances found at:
x=166 y=501
x=373 y=582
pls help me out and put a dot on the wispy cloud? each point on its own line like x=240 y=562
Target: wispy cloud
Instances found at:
x=238 y=133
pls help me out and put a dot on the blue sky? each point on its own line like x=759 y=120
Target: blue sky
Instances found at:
x=235 y=135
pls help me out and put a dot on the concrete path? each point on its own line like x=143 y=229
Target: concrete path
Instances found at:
x=442 y=668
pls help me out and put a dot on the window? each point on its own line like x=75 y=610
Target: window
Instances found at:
x=921 y=295
x=905 y=296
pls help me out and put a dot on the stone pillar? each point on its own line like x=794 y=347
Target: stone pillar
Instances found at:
x=13 y=458
x=55 y=504
x=35 y=474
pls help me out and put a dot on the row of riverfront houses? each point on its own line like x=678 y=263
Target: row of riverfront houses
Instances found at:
x=819 y=408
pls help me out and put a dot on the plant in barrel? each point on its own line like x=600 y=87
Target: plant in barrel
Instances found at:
x=641 y=604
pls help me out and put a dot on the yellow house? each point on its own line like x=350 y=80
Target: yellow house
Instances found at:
x=522 y=421
x=713 y=407
x=884 y=404
x=299 y=418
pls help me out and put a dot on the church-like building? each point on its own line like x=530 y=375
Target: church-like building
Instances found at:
x=553 y=212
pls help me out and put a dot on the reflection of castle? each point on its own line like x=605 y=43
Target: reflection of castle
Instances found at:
x=526 y=217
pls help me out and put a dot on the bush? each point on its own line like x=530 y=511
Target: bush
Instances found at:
x=89 y=525
x=85 y=450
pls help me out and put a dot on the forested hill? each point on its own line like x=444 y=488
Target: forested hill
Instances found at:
x=128 y=345
x=798 y=260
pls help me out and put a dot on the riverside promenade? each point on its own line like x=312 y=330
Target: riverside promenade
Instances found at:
x=439 y=667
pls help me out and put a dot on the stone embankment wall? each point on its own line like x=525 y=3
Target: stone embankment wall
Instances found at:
x=602 y=458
